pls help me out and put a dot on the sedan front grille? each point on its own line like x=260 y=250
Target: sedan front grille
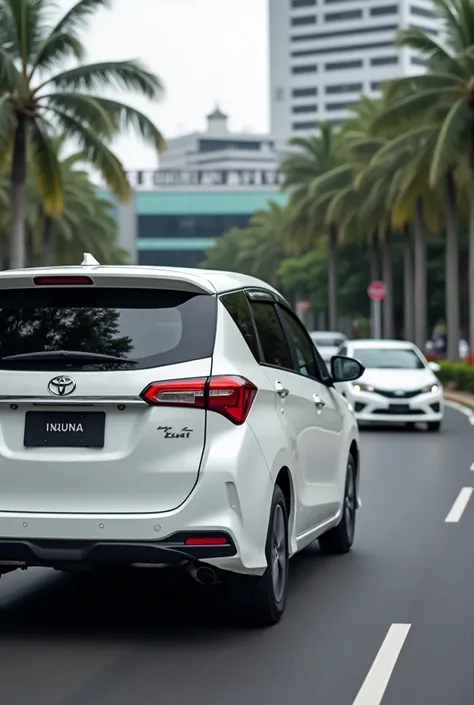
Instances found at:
x=393 y=395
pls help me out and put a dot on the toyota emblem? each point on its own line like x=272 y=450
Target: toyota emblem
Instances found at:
x=399 y=393
x=61 y=386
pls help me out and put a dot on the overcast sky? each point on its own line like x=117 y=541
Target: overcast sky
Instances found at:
x=205 y=51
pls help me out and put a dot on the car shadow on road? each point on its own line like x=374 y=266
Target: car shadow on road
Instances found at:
x=141 y=604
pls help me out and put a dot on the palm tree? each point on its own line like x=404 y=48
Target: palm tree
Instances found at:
x=86 y=224
x=353 y=199
x=38 y=97
x=444 y=98
x=257 y=250
x=314 y=157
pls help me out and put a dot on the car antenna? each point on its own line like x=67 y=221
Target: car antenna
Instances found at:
x=89 y=260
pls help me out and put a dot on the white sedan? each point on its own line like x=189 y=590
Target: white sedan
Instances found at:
x=398 y=386
x=328 y=343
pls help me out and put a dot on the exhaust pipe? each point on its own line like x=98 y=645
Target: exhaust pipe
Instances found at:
x=204 y=575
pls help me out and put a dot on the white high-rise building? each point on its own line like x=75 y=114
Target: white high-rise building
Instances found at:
x=325 y=53
x=219 y=148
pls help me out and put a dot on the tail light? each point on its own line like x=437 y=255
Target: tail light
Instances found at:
x=230 y=396
x=63 y=281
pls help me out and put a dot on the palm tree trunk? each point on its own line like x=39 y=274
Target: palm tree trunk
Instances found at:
x=471 y=242
x=452 y=271
x=374 y=258
x=332 y=277
x=420 y=298
x=47 y=241
x=18 y=183
x=408 y=289
x=387 y=272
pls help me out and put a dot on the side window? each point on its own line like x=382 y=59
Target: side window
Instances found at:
x=275 y=347
x=303 y=346
x=238 y=307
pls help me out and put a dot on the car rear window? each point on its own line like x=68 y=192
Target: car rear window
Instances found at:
x=151 y=327
x=327 y=342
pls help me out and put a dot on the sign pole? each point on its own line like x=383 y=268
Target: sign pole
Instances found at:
x=377 y=319
x=376 y=291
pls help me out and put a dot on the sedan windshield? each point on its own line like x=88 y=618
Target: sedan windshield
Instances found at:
x=389 y=358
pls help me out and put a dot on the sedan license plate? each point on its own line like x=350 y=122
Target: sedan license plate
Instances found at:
x=64 y=429
x=399 y=408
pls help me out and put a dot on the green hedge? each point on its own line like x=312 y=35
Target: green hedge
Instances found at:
x=457 y=375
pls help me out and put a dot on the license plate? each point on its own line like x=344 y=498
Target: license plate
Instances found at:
x=399 y=408
x=64 y=429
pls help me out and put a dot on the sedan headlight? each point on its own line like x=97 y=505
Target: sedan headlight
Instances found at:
x=431 y=388
x=360 y=387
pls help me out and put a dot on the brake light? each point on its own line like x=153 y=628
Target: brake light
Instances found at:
x=230 y=396
x=63 y=281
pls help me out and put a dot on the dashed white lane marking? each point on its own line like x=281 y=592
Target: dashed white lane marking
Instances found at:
x=460 y=504
x=462 y=409
x=375 y=684
x=472 y=466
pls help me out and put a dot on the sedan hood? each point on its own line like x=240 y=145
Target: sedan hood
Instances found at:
x=390 y=380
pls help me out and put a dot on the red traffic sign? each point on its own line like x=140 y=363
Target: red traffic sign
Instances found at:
x=304 y=305
x=376 y=291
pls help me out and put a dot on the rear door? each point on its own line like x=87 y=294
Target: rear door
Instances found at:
x=76 y=434
x=313 y=434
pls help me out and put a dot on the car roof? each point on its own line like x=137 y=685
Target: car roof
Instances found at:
x=328 y=334
x=377 y=344
x=212 y=281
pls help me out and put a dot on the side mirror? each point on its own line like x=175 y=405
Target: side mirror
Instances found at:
x=434 y=367
x=345 y=369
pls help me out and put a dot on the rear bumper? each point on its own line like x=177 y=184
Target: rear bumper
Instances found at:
x=233 y=496
x=69 y=554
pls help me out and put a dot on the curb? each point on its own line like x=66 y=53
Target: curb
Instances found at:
x=460 y=398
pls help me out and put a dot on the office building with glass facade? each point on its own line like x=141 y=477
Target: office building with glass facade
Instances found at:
x=174 y=225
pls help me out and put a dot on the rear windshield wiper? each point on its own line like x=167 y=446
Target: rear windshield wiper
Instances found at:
x=66 y=356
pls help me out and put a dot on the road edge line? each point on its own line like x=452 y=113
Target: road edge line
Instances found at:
x=462 y=408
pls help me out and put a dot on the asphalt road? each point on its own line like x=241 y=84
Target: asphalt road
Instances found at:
x=402 y=600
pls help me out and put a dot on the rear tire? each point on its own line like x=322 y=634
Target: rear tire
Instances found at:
x=340 y=539
x=434 y=426
x=261 y=600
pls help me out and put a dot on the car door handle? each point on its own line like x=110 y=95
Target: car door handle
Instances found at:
x=318 y=402
x=282 y=391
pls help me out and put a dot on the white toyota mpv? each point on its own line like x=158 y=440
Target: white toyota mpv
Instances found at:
x=169 y=417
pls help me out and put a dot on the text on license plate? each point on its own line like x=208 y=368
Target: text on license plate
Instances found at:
x=64 y=429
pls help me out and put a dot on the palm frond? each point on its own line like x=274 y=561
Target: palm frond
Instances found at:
x=25 y=21
x=10 y=79
x=429 y=48
x=453 y=133
x=48 y=172
x=56 y=48
x=86 y=109
x=119 y=75
x=76 y=18
x=128 y=118
x=416 y=104
x=97 y=154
